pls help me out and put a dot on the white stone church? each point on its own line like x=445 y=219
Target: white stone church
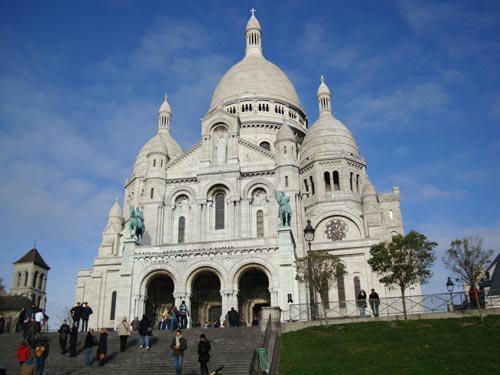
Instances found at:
x=212 y=233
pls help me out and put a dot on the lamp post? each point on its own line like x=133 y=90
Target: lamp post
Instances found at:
x=450 y=286
x=309 y=237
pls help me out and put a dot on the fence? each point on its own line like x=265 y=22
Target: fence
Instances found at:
x=394 y=306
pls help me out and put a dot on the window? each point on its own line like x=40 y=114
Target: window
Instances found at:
x=40 y=282
x=265 y=146
x=154 y=163
x=219 y=210
x=113 y=306
x=35 y=276
x=306 y=186
x=357 y=183
x=182 y=226
x=161 y=163
x=312 y=184
x=260 y=223
x=286 y=181
x=336 y=181
x=39 y=301
x=26 y=278
x=357 y=287
x=284 y=150
x=391 y=215
x=19 y=279
x=152 y=193
x=328 y=186
x=351 y=181
x=341 y=292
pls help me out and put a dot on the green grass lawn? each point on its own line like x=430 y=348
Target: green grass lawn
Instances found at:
x=441 y=346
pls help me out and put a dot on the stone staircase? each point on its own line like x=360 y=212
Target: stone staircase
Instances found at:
x=231 y=347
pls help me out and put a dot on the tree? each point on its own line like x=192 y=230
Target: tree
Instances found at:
x=320 y=270
x=3 y=292
x=403 y=261
x=467 y=260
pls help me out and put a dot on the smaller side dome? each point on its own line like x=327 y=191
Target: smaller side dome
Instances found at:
x=165 y=107
x=164 y=115
x=285 y=134
x=253 y=22
x=323 y=88
x=115 y=211
x=369 y=193
x=157 y=146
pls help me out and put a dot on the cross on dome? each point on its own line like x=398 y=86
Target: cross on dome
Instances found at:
x=322 y=78
x=253 y=12
x=165 y=97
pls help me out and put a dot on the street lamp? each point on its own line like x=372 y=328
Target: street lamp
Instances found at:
x=309 y=237
x=449 y=286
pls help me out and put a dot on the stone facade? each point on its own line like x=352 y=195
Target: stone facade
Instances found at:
x=212 y=233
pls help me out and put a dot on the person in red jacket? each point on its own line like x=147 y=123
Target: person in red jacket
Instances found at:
x=23 y=353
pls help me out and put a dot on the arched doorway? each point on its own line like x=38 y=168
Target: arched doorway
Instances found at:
x=253 y=294
x=206 y=300
x=160 y=294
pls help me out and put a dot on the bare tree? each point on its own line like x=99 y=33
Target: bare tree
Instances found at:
x=404 y=261
x=320 y=270
x=467 y=260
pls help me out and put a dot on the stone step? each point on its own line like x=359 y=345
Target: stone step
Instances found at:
x=232 y=348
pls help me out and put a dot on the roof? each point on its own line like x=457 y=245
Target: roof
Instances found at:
x=33 y=256
x=10 y=303
x=494 y=276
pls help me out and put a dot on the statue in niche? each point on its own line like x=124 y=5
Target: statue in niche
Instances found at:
x=285 y=210
x=220 y=148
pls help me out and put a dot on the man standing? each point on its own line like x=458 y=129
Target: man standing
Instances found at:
x=89 y=343
x=63 y=336
x=76 y=313
x=233 y=317
x=85 y=315
x=179 y=344
x=184 y=314
x=374 y=301
x=39 y=317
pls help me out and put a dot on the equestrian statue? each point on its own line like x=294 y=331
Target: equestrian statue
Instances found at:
x=136 y=223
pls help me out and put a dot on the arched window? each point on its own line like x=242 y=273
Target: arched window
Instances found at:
x=312 y=184
x=306 y=186
x=219 y=210
x=152 y=193
x=328 y=185
x=161 y=163
x=19 y=279
x=286 y=181
x=391 y=215
x=154 y=163
x=357 y=286
x=284 y=150
x=182 y=229
x=265 y=145
x=26 y=278
x=341 y=292
x=357 y=183
x=336 y=181
x=39 y=301
x=351 y=181
x=40 y=281
x=260 y=223
x=35 y=276
x=113 y=306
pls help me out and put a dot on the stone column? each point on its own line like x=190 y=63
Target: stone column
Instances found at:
x=125 y=282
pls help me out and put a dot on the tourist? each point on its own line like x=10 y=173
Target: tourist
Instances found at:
x=144 y=331
x=183 y=314
x=203 y=354
x=64 y=331
x=179 y=344
x=23 y=353
x=361 y=302
x=374 y=300
x=233 y=318
x=29 y=331
x=124 y=333
x=76 y=313
x=39 y=318
x=28 y=367
x=136 y=323
x=255 y=321
x=90 y=341
x=21 y=320
x=86 y=311
x=102 y=348
x=41 y=347
x=73 y=339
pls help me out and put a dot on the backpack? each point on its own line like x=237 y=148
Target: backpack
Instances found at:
x=39 y=350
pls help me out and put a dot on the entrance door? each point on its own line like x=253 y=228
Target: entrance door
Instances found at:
x=206 y=300
x=253 y=294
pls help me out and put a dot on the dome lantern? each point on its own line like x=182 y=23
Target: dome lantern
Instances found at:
x=164 y=115
x=324 y=98
x=253 y=34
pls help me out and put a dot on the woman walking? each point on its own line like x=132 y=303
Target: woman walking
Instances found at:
x=102 y=347
x=203 y=354
x=124 y=333
x=361 y=302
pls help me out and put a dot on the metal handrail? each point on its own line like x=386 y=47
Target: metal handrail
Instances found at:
x=260 y=363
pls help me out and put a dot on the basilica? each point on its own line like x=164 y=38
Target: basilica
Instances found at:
x=212 y=235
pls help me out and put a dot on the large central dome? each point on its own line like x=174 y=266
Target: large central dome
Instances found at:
x=254 y=76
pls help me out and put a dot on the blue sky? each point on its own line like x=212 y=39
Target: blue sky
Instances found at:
x=417 y=83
